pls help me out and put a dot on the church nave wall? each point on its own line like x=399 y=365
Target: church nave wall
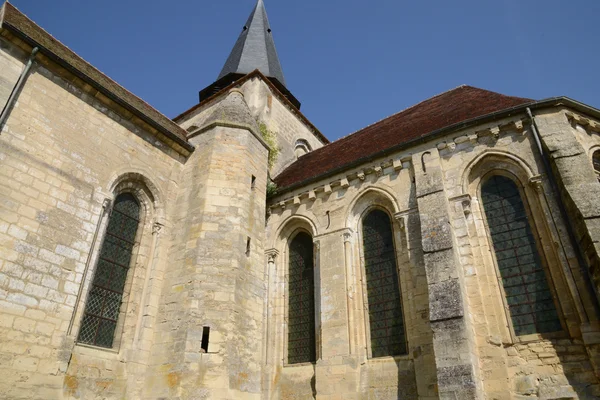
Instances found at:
x=63 y=152
x=547 y=365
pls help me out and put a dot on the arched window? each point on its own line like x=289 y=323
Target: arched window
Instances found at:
x=528 y=294
x=596 y=162
x=104 y=300
x=301 y=301
x=301 y=148
x=386 y=321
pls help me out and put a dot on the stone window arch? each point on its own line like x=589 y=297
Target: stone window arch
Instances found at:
x=301 y=321
x=521 y=271
x=105 y=297
x=385 y=317
x=301 y=148
x=596 y=162
x=127 y=188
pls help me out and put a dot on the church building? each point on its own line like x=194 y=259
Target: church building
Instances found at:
x=449 y=251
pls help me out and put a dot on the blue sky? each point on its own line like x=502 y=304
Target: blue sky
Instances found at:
x=350 y=62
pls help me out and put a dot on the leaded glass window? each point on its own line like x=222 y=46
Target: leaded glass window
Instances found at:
x=386 y=321
x=528 y=294
x=596 y=161
x=301 y=301
x=106 y=292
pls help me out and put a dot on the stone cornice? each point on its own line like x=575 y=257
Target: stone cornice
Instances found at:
x=590 y=125
x=494 y=131
x=403 y=161
x=358 y=175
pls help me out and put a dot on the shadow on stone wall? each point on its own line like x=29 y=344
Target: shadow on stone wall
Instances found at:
x=553 y=369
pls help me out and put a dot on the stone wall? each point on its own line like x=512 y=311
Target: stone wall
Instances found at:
x=267 y=109
x=280 y=119
x=332 y=215
x=501 y=366
x=206 y=258
x=11 y=66
x=53 y=181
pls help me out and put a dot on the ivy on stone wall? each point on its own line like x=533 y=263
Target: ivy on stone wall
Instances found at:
x=271 y=188
x=271 y=139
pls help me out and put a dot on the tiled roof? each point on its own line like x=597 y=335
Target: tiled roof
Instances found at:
x=450 y=108
x=37 y=36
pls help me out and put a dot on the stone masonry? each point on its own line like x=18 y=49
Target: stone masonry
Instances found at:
x=205 y=314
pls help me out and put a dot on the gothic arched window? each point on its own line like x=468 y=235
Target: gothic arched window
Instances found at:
x=525 y=283
x=106 y=292
x=301 y=301
x=386 y=321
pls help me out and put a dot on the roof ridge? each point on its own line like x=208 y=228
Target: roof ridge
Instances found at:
x=400 y=112
x=463 y=86
x=340 y=139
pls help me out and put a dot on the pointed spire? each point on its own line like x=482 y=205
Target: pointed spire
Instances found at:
x=255 y=48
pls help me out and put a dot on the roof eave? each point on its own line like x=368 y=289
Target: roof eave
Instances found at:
x=535 y=105
x=4 y=24
x=2 y=9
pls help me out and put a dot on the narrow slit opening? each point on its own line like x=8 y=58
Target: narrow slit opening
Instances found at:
x=205 y=335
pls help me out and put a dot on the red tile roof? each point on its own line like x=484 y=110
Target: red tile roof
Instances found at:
x=455 y=106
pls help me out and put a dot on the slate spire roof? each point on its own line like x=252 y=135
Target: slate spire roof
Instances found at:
x=255 y=48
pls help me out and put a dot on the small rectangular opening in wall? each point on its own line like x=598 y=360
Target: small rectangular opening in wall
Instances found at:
x=248 y=246
x=205 y=335
x=253 y=183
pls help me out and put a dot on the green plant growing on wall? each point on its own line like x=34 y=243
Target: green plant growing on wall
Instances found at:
x=271 y=188
x=271 y=139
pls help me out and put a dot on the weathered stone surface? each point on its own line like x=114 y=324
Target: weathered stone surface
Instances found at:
x=562 y=144
x=526 y=385
x=457 y=377
x=429 y=182
x=200 y=257
x=445 y=300
x=584 y=195
x=440 y=266
x=436 y=231
x=232 y=110
x=575 y=171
